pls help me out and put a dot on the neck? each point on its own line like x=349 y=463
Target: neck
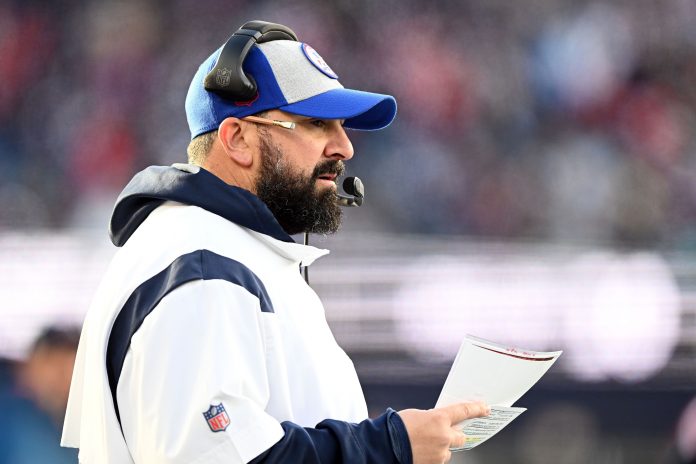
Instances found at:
x=232 y=174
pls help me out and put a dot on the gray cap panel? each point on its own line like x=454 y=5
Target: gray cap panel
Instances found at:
x=297 y=77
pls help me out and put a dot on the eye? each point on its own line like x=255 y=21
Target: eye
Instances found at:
x=320 y=123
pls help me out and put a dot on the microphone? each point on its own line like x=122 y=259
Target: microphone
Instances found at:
x=355 y=190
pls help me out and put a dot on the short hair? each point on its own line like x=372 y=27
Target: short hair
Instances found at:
x=53 y=337
x=200 y=146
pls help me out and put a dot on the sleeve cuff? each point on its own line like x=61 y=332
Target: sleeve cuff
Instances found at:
x=399 y=437
x=383 y=440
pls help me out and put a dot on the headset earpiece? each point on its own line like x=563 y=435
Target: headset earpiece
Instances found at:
x=227 y=78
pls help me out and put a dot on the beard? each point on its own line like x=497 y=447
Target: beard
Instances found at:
x=293 y=197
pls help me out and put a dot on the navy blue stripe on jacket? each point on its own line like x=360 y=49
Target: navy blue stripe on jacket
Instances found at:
x=197 y=265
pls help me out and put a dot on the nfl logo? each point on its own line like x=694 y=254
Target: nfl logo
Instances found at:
x=217 y=418
x=223 y=76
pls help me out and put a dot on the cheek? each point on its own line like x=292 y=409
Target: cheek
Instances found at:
x=301 y=156
x=307 y=165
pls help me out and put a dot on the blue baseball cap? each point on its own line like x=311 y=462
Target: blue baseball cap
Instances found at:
x=290 y=76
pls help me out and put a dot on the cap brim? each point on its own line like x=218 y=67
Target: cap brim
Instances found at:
x=361 y=110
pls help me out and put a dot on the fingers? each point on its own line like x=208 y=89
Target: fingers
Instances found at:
x=458 y=439
x=462 y=411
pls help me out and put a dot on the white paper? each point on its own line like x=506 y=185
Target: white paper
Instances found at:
x=497 y=375
x=481 y=429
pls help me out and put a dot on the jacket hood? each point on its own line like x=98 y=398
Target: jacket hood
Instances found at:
x=191 y=185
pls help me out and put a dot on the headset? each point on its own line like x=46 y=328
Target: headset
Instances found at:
x=227 y=78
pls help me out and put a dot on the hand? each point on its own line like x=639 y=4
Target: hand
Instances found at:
x=431 y=433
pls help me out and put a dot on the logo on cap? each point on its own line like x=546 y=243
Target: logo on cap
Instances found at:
x=217 y=418
x=318 y=62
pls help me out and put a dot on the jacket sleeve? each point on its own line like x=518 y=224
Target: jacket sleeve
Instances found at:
x=383 y=440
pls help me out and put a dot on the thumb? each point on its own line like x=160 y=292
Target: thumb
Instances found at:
x=458 y=439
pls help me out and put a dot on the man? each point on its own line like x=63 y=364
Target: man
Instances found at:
x=33 y=402
x=204 y=344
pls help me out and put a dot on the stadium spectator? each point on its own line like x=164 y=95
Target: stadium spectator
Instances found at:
x=33 y=400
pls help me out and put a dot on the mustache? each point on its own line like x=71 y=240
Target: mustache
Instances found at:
x=329 y=167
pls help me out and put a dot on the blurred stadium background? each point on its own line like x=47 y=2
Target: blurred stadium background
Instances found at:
x=538 y=188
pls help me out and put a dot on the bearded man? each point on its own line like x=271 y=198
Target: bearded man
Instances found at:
x=204 y=344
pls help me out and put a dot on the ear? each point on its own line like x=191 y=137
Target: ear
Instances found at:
x=233 y=138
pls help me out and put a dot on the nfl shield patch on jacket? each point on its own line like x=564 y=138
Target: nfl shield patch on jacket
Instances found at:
x=217 y=418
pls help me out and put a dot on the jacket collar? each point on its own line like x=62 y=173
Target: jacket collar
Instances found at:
x=191 y=185
x=297 y=252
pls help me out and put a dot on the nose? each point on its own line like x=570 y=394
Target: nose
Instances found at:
x=338 y=146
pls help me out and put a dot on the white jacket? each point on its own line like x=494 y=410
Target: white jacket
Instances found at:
x=212 y=314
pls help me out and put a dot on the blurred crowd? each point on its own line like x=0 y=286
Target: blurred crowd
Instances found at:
x=562 y=120
x=557 y=120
